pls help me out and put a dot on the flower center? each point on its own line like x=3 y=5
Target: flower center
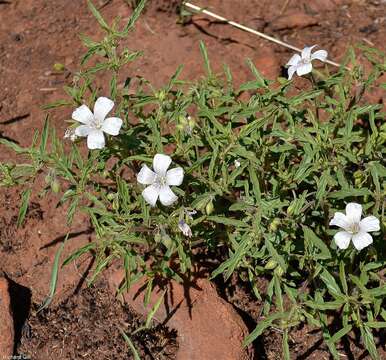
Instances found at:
x=304 y=62
x=354 y=228
x=96 y=123
x=160 y=181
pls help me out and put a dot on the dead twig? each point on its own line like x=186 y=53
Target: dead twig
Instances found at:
x=252 y=31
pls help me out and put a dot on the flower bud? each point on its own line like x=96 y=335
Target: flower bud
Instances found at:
x=358 y=174
x=59 y=67
x=270 y=265
x=274 y=224
x=209 y=207
x=290 y=210
x=161 y=95
x=279 y=271
x=55 y=186
x=115 y=204
x=110 y=196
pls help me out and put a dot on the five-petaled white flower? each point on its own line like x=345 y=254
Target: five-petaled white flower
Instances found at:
x=160 y=180
x=95 y=124
x=354 y=228
x=302 y=64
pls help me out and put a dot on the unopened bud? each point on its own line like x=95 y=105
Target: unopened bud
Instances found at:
x=270 y=265
x=209 y=207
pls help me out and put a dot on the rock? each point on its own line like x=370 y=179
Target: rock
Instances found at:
x=6 y=322
x=208 y=327
x=294 y=20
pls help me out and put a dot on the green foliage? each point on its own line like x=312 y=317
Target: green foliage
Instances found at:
x=302 y=156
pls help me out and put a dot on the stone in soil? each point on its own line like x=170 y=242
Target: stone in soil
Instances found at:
x=208 y=327
x=6 y=321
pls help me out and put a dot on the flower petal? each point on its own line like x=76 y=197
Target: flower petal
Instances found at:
x=342 y=239
x=294 y=60
x=304 y=69
x=369 y=223
x=112 y=125
x=96 y=140
x=83 y=114
x=146 y=176
x=167 y=196
x=102 y=107
x=175 y=176
x=291 y=71
x=150 y=194
x=185 y=228
x=354 y=212
x=161 y=163
x=361 y=240
x=340 y=220
x=320 y=55
x=306 y=52
x=83 y=130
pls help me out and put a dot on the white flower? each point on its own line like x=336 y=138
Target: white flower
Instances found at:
x=185 y=228
x=354 y=228
x=95 y=124
x=160 y=180
x=302 y=64
x=237 y=163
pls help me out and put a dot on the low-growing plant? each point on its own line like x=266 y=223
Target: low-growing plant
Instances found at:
x=260 y=170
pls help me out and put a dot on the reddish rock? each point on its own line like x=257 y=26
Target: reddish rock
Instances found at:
x=208 y=327
x=6 y=322
x=293 y=20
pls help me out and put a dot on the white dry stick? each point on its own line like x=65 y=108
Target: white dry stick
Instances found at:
x=245 y=28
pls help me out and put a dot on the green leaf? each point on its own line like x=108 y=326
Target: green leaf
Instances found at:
x=259 y=78
x=286 y=351
x=342 y=276
x=98 y=16
x=275 y=255
x=369 y=343
x=345 y=193
x=330 y=305
x=229 y=265
x=376 y=324
x=227 y=221
x=153 y=310
x=261 y=326
x=12 y=145
x=311 y=237
x=24 y=206
x=135 y=16
x=379 y=291
x=54 y=276
x=339 y=334
x=44 y=137
x=131 y=345
x=331 y=284
x=204 y=54
x=78 y=253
